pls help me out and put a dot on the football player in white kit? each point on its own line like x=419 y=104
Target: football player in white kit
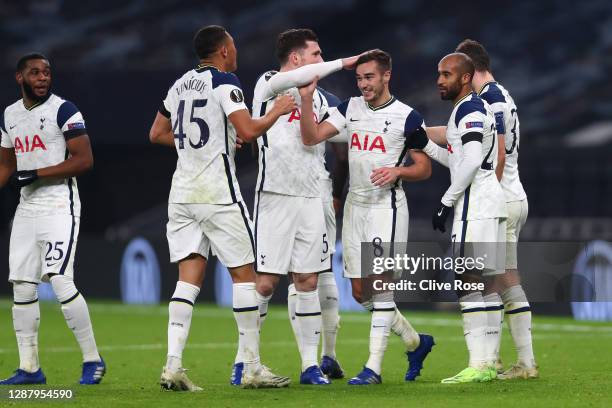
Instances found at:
x=477 y=198
x=290 y=230
x=380 y=130
x=45 y=146
x=201 y=115
x=508 y=285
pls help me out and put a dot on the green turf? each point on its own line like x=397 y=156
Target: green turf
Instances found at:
x=575 y=362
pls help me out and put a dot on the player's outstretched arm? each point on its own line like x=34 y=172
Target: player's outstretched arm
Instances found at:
x=313 y=133
x=8 y=164
x=420 y=140
x=249 y=129
x=437 y=134
x=161 y=131
x=419 y=170
x=304 y=75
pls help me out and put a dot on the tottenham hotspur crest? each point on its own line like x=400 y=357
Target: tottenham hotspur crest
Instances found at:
x=42 y=123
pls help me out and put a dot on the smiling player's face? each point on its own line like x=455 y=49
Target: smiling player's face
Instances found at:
x=371 y=80
x=35 y=79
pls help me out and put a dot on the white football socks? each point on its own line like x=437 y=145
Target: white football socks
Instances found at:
x=76 y=314
x=474 y=327
x=262 y=302
x=328 y=297
x=518 y=313
x=291 y=302
x=495 y=315
x=308 y=318
x=246 y=313
x=26 y=320
x=404 y=329
x=180 y=311
x=382 y=318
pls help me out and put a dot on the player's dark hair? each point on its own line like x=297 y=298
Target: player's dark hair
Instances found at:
x=292 y=40
x=477 y=52
x=23 y=61
x=208 y=40
x=382 y=58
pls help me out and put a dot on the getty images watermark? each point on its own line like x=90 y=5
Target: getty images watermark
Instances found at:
x=406 y=264
x=436 y=271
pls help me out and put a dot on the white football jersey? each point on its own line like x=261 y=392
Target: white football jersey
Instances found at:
x=507 y=123
x=198 y=105
x=377 y=137
x=484 y=197
x=332 y=103
x=39 y=136
x=286 y=165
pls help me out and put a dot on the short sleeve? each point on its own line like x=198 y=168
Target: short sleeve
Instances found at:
x=471 y=117
x=414 y=123
x=337 y=116
x=5 y=140
x=228 y=91
x=500 y=122
x=70 y=120
x=323 y=112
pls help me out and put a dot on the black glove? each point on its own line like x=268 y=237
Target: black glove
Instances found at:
x=418 y=139
x=439 y=218
x=24 y=178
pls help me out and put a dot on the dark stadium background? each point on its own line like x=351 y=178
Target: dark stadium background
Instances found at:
x=116 y=59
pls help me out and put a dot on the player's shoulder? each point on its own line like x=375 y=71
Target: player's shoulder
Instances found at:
x=492 y=92
x=265 y=77
x=64 y=108
x=471 y=104
x=262 y=91
x=219 y=78
x=331 y=99
x=350 y=104
x=413 y=118
x=13 y=108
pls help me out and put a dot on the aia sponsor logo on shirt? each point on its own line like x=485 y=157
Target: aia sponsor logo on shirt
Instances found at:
x=371 y=143
x=28 y=144
x=297 y=115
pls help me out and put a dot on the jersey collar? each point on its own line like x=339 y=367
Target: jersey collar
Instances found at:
x=462 y=99
x=204 y=67
x=485 y=84
x=384 y=105
x=37 y=104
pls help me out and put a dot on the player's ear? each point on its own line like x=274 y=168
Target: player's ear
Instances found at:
x=387 y=76
x=224 y=51
x=19 y=77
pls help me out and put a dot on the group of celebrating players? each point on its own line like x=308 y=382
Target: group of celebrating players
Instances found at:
x=293 y=229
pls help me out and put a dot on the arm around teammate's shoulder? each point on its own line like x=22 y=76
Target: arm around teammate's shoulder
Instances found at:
x=249 y=129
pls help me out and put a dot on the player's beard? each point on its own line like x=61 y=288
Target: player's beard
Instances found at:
x=29 y=92
x=452 y=91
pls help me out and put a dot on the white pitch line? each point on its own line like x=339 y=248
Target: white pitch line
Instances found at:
x=277 y=344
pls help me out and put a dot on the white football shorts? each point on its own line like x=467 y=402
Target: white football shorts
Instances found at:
x=517 y=216
x=198 y=228
x=483 y=239
x=367 y=224
x=42 y=245
x=290 y=234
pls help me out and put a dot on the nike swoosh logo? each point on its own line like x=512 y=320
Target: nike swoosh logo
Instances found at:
x=354 y=120
x=50 y=265
x=440 y=212
x=22 y=178
x=324 y=259
x=11 y=127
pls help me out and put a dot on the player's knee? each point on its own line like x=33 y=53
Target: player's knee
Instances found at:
x=305 y=282
x=25 y=292
x=265 y=287
x=63 y=287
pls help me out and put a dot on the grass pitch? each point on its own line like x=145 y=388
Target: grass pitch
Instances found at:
x=575 y=362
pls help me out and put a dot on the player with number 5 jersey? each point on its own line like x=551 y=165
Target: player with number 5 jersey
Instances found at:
x=201 y=116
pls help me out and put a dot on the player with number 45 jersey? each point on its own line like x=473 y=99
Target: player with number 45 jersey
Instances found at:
x=44 y=147
x=201 y=115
